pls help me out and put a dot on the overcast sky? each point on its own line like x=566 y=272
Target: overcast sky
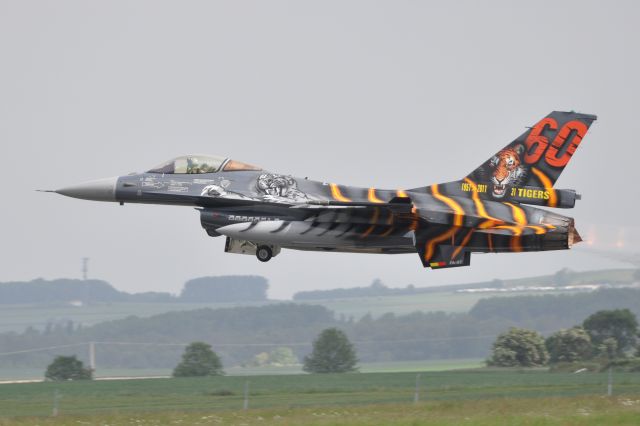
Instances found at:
x=389 y=94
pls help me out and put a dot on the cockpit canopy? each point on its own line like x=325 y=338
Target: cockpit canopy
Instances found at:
x=198 y=164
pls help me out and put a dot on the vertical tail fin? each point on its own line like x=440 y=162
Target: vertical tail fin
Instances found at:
x=536 y=158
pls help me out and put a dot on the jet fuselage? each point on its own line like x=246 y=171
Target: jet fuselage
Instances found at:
x=260 y=212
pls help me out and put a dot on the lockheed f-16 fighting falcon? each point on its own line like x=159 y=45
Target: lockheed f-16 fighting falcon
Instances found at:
x=487 y=211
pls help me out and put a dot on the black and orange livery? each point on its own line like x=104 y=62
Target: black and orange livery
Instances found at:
x=490 y=210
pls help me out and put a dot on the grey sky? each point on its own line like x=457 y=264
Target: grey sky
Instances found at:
x=390 y=94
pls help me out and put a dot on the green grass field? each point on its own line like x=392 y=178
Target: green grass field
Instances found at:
x=7 y=374
x=596 y=411
x=303 y=398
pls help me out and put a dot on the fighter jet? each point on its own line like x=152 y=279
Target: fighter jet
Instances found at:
x=490 y=210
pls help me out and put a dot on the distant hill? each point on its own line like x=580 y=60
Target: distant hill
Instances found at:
x=562 y=278
x=240 y=333
x=555 y=308
x=225 y=289
x=222 y=289
x=56 y=291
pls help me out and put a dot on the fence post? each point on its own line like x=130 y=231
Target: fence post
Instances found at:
x=610 y=382
x=92 y=356
x=416 y=395
x=56 y=398
x=245 y=406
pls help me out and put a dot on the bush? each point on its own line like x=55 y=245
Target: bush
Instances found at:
x=278 y=357
x=570 y=345
x=199 y=360
x=613 y=331
x=519 y=347
x=332 y=353
x=67 y=368
x=625 y=365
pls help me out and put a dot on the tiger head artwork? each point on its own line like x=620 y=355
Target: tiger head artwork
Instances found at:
x=275 y=186
x=506 y=170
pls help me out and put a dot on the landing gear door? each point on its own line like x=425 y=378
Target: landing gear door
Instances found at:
x=239 y=246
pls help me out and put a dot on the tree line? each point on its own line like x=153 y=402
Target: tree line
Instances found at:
x=603 y=338
x=563 y=277
x=549 y=311
x=219 y=289
x=240 y=334
x=332 y=353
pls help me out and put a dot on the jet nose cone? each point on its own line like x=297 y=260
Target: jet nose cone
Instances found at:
x=96 y=190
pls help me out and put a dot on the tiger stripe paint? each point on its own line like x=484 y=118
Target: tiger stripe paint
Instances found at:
x=311 y=227
x=372 y=196
x=547 y=185
x=415 y=218
x=374 y=220
x=458 y=212
x=430 y=246
x=284 y=225
x=539 y=229
x=368 y=231
x=515 y=243
x=388 y=231
x=463 y=244
x=337 y=195
x=480 y=208
x=347 y=229
x=331 y=227
x=458 y=218
x=519 y=216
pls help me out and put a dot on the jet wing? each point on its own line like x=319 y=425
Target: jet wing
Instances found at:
x=210 y=201
x=398 y=205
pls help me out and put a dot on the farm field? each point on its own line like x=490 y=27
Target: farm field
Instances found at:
x=582 y=410
x=485 y=395
x=367 y=367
